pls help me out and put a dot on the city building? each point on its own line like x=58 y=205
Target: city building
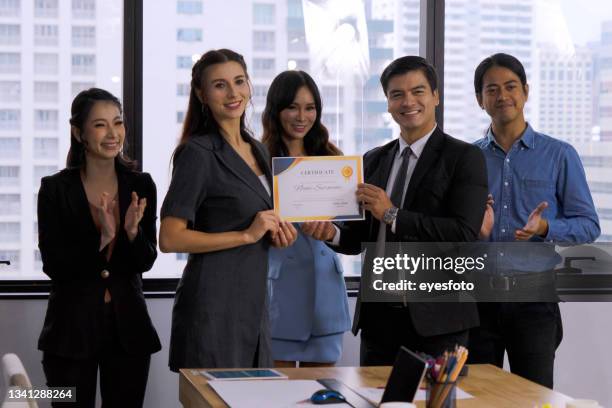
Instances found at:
x=49 y=51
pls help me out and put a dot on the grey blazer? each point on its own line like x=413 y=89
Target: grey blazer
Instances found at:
x=220 y=317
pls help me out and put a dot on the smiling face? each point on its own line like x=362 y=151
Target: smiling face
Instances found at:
x=103 y=132
x=225 y=90
x=297 y=119
x=503 y=96
x=412 y=103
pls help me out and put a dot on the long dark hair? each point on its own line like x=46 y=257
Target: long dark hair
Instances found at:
x=199 y=119
x=79 y=112
x=280 y=95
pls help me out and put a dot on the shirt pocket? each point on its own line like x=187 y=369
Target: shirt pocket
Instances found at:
x=538 y=184
x=538 y=190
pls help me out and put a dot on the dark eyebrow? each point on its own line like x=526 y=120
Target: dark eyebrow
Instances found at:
x=512 y=81
x=120 y=117
x=223 y=80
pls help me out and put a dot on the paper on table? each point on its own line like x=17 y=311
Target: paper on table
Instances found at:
x=269 y=394
x=374 y=395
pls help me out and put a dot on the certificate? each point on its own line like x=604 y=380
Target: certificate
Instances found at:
x=317 y=188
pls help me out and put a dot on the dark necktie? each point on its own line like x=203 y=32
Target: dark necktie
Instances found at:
x=397 y=192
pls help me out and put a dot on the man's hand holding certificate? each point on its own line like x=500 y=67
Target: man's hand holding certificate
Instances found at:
x=317 y=188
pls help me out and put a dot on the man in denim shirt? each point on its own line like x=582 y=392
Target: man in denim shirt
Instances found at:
x=538 y=193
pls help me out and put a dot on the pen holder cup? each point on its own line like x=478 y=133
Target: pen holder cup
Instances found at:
x=441 y=394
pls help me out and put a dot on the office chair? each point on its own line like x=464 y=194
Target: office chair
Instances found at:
x=15 y=377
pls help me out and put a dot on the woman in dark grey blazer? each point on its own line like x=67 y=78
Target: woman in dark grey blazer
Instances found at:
x=218 y=209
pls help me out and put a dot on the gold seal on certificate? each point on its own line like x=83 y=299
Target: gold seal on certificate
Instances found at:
x=317 y=188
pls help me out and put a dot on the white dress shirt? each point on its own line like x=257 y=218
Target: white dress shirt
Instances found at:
x=417 y=149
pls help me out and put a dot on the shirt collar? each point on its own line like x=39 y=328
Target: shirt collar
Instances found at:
x=418 y=146
x=527 y=139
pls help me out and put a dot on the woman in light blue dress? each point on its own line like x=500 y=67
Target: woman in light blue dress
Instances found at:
x=308 y=303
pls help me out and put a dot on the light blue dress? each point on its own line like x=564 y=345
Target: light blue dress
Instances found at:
x=308 y=304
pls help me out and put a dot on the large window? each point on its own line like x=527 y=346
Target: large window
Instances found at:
x=49 y=51
x=344 y=49
x=564 y=48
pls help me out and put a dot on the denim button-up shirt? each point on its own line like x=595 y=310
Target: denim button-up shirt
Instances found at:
x=539 y=168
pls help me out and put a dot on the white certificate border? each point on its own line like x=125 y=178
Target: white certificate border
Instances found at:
x=276 y=197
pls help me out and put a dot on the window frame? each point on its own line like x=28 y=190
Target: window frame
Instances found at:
x=431 y=47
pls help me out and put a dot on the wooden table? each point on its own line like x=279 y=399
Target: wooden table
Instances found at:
x=491 y=386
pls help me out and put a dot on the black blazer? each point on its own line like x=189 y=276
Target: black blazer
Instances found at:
x=69 y=245
x=444 y=202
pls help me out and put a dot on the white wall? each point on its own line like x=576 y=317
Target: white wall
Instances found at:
x=583 y=366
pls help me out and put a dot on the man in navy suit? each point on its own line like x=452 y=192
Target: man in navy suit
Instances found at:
x=423 y=187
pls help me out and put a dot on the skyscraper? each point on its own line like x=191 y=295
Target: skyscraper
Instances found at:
x=473 y=31
x=49 y=51
x=604 y=97
x=566 y=93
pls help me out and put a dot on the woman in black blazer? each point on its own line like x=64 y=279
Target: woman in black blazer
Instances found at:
x=97 y=235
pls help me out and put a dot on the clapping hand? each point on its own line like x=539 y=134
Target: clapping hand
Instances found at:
x=133 y=215
x=488 y=220
x=536 y=224
x=106 y=217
